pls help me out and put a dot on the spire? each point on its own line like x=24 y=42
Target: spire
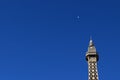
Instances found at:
x=91 y=42
x=91 y=50
x=91 y=47
x=90 y=37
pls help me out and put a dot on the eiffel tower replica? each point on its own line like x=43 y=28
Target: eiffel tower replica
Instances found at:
x=92 y=58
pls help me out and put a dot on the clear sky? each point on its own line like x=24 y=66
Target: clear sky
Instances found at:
x=45 y=39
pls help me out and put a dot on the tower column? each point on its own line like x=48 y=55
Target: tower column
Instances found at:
x=93 y=73
x=92 y=58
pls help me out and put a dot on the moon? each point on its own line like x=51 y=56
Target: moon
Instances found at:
x=78 y=17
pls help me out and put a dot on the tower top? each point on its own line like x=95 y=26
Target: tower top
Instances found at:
x=91 y=42
x=91 y=50
x=91 y=47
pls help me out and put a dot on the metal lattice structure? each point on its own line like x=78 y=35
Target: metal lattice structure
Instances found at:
x=92 y=58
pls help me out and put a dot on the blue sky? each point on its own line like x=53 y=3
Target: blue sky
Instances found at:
x=44 y=39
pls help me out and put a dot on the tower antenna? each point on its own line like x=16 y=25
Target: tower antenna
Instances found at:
x=90 y=37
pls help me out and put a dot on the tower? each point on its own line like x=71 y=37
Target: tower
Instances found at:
x=92 y=58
